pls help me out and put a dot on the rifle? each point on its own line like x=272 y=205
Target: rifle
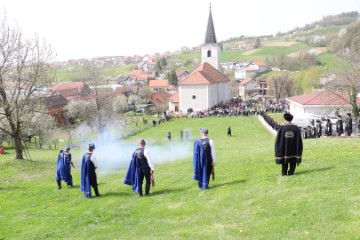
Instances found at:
x=72 y=164
x=152 y=179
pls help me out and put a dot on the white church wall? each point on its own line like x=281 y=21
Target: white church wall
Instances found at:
x=193 y=96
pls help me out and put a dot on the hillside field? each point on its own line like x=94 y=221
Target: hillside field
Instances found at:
x=249 y=199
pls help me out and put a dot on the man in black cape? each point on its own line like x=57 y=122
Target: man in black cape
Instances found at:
x=288 y=146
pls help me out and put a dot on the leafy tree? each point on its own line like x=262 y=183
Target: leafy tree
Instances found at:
x=257 y=43
x=158 y=67
x=24 y=72
x=163 y=62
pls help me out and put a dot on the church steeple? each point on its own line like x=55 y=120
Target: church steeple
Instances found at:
x=210 y=50
x=210 y=36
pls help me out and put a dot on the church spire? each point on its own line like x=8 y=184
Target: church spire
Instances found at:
x=210 y=36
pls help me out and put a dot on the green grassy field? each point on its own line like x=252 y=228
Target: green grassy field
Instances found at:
x=249 y=198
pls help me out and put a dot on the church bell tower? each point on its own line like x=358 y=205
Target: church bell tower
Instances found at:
x=210 y=50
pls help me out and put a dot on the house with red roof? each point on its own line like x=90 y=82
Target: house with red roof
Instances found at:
x=70 y=90
x=206 y=86
x=159 y=85
x=174 y=102
x=321 y=103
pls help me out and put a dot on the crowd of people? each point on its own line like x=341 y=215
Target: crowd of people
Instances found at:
x=240 y=107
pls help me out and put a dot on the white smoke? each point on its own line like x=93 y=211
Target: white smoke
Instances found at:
x=113 y=153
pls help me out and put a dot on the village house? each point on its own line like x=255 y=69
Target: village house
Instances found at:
x=55 y=105
x=159 y=85
x=320 y=103
x=70 y=90
x=174 y=102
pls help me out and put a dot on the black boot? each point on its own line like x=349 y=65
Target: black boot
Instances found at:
x=96 y=191
x=59 y=184
x=147 y=189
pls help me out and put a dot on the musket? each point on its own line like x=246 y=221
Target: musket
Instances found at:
x=152 y=180
x=72 y=164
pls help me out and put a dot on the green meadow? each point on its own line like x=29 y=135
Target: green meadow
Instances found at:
x=249 y=199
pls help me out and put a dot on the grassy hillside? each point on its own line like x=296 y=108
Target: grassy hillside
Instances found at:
x=248 y=199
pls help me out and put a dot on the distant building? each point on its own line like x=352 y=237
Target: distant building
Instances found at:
x=206 y=86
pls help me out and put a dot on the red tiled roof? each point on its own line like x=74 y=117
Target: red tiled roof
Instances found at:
x=161 y=96
x=158 y=83
x=246 y=81
x=66 y=86
x=260 y=64
x=174 y=98
x=204 y=74
x=322 y=98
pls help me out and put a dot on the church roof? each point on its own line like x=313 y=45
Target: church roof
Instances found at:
x=203 y=75
x=210 y=36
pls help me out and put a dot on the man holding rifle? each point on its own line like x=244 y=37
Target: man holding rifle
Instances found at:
x=204 y=159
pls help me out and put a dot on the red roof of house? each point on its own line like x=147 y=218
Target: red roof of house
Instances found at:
x=161 y=96
x=260 y=64
x=159 y=83
x=66 y=86
x=204 y=74
x=322 y=98
x=246 y=81
x=174 y=98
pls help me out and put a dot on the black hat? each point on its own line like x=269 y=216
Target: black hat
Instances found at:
x=288 y=117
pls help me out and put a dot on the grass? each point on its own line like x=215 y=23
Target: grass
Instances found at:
x=248 y=199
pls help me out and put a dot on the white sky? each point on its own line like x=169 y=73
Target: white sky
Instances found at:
x=93 y=28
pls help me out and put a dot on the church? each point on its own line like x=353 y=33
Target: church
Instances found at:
x=206 y=86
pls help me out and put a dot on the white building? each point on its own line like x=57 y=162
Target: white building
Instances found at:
x=206 y=86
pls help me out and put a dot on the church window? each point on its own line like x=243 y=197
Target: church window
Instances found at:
x=193 y=97
x=209 y=53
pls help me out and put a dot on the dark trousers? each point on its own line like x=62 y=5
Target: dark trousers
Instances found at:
x=144 y=173
x=285 y=166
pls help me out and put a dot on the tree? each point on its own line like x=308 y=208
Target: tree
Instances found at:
x=257 y=43
x=101 y=96
x=347 y=86
x=163 y=62
x=43 y=125
x=24 y=72
x=133 y=100
x=158 y=67
x=120 y=104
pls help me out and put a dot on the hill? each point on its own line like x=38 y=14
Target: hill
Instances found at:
x=248 y=199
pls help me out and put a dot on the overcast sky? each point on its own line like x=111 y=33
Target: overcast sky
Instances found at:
x=93 y=28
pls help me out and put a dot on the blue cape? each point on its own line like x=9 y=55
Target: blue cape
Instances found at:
x=88 y=176
x=200 y=162
x=132 y=174
x=63 y=167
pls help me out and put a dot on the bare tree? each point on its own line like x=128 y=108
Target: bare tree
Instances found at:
x=347 y=86
x=102 y=97
x=24 y=71
x=120 y=104
x=276 y=84
x=289 y=84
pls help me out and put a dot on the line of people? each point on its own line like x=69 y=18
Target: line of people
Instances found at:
x=141 y=167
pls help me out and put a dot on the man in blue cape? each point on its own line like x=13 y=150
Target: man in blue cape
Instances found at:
x=140 y=167
x=203 y=159
x=88 y=174
x=63 y=167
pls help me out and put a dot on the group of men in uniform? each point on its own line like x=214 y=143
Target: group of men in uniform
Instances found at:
x=288 y=153
x=88 y=174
